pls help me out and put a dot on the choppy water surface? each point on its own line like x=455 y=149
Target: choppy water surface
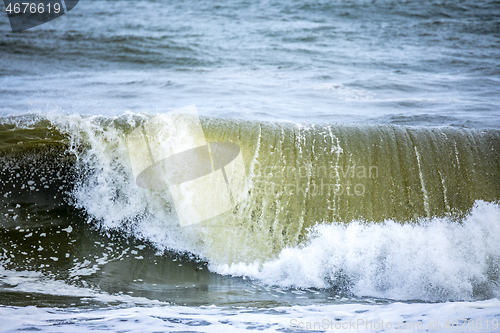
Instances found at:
x=405 y=62
x=394 y=102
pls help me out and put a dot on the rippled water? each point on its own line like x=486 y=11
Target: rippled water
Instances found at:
x=409 y=87
x=403 y=62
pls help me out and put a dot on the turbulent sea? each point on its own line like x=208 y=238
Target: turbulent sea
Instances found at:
x=370 y=136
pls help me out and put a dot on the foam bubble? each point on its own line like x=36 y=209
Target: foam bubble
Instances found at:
x=436 y=259
x=432 y=259
x=331 y=317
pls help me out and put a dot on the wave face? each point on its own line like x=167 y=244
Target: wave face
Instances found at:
x=438 y=259
x=391 y=211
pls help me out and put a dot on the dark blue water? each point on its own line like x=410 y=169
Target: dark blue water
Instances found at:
x=404 y=62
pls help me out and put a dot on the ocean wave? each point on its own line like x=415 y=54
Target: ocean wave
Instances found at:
x=386 y=211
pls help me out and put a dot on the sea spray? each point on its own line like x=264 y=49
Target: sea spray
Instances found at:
x=374 y=199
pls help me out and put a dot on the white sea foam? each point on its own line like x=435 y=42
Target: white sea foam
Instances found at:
x=430 y=259
x=108 y=192
x=480 y=316
x=437 y=259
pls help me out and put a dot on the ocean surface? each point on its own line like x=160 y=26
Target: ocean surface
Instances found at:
x=392 y=103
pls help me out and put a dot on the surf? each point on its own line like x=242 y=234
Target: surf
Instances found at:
x=314 y=192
